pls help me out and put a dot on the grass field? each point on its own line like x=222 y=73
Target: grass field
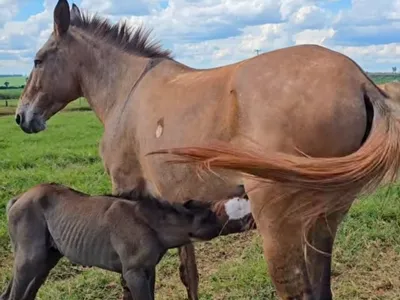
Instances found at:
x=384 y=78
x=366 y=257
x=20 y=80
x=79 y=104
x=13 y=80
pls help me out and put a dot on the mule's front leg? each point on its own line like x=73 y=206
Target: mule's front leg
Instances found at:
x=188 y=270
x=138 y=281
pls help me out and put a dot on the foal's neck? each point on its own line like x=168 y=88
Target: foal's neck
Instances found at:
x=172 y=230
x=107 y=74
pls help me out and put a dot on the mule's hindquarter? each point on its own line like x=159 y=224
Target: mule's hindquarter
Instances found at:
x=304 y=97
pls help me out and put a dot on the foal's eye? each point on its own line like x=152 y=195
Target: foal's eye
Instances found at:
x=37 y=62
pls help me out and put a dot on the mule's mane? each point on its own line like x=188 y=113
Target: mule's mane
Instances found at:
x=121 y=35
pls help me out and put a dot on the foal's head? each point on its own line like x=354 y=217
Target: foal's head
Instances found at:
x=176 y=223
x=203 y=222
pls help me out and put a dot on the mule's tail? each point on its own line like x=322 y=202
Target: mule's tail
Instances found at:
x=377 y=160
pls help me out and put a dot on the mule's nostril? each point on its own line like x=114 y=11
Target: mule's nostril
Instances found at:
x=18 y=119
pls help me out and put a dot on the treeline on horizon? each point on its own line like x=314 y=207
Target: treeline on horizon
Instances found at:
x=13 y=91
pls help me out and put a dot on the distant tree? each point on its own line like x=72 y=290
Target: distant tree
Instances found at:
x=6 y=84
x=394 y=69
x=26 y=79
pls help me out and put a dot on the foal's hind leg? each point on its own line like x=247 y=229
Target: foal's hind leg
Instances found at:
x=31 y=272
x=188 y=270
x=7 y=292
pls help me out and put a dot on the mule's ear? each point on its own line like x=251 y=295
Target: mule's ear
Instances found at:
x=75 y=12
x=62 y=17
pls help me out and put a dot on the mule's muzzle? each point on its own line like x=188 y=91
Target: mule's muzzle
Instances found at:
x=29 y=125
x=19 y=119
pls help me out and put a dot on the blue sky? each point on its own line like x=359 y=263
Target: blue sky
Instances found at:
x=210 y=33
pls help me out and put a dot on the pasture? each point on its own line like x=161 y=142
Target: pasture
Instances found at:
x=13 y=84
x=13 y=80
x=10 y=107
x=366 y=257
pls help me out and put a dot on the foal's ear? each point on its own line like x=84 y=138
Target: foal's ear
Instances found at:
x=75 y=12
x=195 y=204
x=189 y=204
x=62 y=17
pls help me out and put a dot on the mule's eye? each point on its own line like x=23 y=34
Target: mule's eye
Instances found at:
x=37 y=62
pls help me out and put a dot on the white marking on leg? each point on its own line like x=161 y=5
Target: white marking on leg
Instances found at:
x=237 y=208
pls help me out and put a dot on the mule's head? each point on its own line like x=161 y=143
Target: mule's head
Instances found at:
x=53 y=81
x=205 y=224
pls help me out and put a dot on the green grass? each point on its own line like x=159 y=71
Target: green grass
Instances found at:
x=384 y=78
x=10 y=94
x=13 y=80
x=8 y=107
x=366 y=257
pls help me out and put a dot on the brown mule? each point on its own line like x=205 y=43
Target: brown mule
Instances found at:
x=305 y=98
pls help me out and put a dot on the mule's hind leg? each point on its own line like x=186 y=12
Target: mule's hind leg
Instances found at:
x=321 y=237
x=188 y=270
x=282 y=242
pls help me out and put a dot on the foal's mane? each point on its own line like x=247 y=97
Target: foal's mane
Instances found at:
x=139 y=194
x=121 y=35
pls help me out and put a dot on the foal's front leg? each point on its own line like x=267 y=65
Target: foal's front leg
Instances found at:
x=138 y=282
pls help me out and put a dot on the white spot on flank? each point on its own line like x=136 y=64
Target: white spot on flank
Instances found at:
x=159 y=130
x=237 y=208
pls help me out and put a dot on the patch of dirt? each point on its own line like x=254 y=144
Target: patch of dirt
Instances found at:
x=209 y=256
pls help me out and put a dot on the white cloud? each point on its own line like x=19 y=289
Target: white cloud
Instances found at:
x=207 y=33
x=8 y=9
x=314 y=36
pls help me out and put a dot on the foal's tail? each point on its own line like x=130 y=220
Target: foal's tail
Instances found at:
x=8 y=208
x=377 y=160
x=11 y=203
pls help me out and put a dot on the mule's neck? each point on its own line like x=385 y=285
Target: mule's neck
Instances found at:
x=107 y=74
